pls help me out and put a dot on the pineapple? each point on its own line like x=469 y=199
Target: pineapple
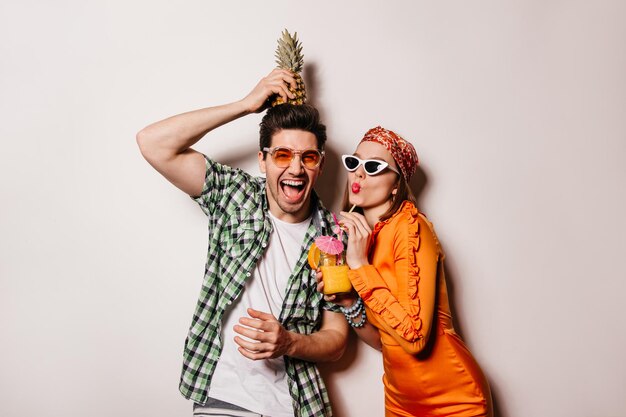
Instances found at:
x=289 y=57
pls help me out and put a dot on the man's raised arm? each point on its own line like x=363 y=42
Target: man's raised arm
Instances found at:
x=166 y=145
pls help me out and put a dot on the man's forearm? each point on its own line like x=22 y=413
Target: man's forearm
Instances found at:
x=170 y=137
x=328 y=344
x=323 y=346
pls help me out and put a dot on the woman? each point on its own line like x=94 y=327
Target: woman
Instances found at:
x=400 y=304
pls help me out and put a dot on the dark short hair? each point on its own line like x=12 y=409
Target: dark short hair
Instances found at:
x=289 y=116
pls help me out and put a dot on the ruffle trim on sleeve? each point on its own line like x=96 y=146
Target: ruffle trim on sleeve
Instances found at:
x=409 y=328
x=413 y=246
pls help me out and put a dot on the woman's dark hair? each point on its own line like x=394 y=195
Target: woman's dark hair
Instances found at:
x=404 y=193
x=289 y=116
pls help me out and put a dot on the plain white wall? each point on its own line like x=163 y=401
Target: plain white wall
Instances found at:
x=517 y=110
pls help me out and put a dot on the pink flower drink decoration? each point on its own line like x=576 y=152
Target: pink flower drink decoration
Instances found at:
x=331 y=244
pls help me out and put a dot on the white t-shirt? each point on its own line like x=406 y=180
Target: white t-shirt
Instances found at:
x=260 y=386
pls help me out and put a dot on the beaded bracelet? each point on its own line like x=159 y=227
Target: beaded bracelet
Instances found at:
x=353 y=312
x=355 y=307
x=359 y=324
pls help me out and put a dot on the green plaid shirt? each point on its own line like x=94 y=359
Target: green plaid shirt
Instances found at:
x=239 y=231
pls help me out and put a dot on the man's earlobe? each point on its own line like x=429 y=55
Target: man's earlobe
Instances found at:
x=261 y=162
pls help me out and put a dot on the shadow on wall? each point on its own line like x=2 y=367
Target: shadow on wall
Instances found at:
x=332 y=371
x=242 y=155
x=418 y=185
x=450 y=270
x=331 y=183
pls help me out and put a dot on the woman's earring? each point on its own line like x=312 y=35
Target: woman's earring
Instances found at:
x=393 y=194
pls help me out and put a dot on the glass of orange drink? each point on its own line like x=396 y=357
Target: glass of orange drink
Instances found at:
x=334 y=270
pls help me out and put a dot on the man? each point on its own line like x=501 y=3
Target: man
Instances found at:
x=259 y=324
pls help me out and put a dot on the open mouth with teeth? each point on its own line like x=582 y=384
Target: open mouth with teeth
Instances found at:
x=293 y=190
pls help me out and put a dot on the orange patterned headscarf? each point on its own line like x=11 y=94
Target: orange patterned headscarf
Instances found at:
x=402 y=151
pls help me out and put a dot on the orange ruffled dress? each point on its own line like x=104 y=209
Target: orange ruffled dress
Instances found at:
x=428 y=369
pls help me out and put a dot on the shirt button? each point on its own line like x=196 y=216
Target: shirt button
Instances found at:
x=248 y=274
x=264 y=244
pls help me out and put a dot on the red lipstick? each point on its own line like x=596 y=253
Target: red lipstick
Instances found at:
x=356 y=187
